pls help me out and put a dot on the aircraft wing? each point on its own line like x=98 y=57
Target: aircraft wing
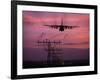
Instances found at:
x=70 y=27
x=53 y=26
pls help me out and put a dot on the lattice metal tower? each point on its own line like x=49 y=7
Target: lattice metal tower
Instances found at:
x=53 y=52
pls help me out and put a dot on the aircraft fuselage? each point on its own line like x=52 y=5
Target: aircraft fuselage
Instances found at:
x=61 y=28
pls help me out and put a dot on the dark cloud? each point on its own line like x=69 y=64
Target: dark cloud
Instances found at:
x=76 y=43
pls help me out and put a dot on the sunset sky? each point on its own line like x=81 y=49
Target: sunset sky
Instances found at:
x=74 y=40
x=34 y=29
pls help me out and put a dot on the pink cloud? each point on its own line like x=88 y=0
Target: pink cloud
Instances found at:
x=37 y=27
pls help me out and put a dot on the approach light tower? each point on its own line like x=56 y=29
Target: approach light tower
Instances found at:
x=53 y=57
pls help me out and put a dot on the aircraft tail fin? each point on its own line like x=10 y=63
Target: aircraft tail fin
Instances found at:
x=62 y=21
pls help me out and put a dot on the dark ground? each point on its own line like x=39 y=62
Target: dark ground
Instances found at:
x=30 y=64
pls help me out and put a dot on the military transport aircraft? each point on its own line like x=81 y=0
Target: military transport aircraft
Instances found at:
x=61 y=27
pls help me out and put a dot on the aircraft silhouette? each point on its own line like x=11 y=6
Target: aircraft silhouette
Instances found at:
x=61 y=27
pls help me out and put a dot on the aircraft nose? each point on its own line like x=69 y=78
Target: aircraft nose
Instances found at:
x=61 y=29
